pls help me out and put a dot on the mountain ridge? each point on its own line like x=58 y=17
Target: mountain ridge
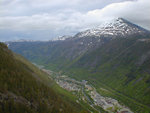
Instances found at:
x=116 y=27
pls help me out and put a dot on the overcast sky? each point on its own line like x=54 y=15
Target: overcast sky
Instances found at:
x=46 y=19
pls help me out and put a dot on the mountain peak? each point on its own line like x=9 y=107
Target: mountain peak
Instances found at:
x=113 y=28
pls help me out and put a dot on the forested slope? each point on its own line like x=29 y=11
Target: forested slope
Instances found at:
x=22 y=89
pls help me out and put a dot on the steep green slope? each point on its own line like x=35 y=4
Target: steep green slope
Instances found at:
x=22 y=89
x=122 y=65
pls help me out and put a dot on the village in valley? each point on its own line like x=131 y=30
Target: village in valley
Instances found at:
x=87 y=93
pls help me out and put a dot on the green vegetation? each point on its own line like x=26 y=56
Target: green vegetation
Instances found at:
x=26 y=89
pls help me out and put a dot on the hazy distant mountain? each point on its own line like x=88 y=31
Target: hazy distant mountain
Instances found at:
x=61 y=38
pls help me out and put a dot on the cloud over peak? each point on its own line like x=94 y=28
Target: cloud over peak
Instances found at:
x=61 y=17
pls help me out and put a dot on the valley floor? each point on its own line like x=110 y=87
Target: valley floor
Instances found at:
x=87 y=93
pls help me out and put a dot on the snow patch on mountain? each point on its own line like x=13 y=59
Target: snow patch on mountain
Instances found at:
x=61 y=38
x=115 y=27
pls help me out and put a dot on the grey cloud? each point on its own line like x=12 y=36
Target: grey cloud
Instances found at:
x=50 y=18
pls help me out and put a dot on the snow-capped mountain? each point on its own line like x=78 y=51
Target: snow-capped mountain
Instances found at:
x=61 y=38
x=113 y=28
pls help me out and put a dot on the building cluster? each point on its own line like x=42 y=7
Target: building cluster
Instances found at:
x=68 y=85
x=108 y=104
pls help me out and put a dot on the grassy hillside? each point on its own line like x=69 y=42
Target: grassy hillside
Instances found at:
x=22 y=89
x=122 y=65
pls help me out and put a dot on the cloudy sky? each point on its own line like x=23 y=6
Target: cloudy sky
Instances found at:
x=46 y=19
